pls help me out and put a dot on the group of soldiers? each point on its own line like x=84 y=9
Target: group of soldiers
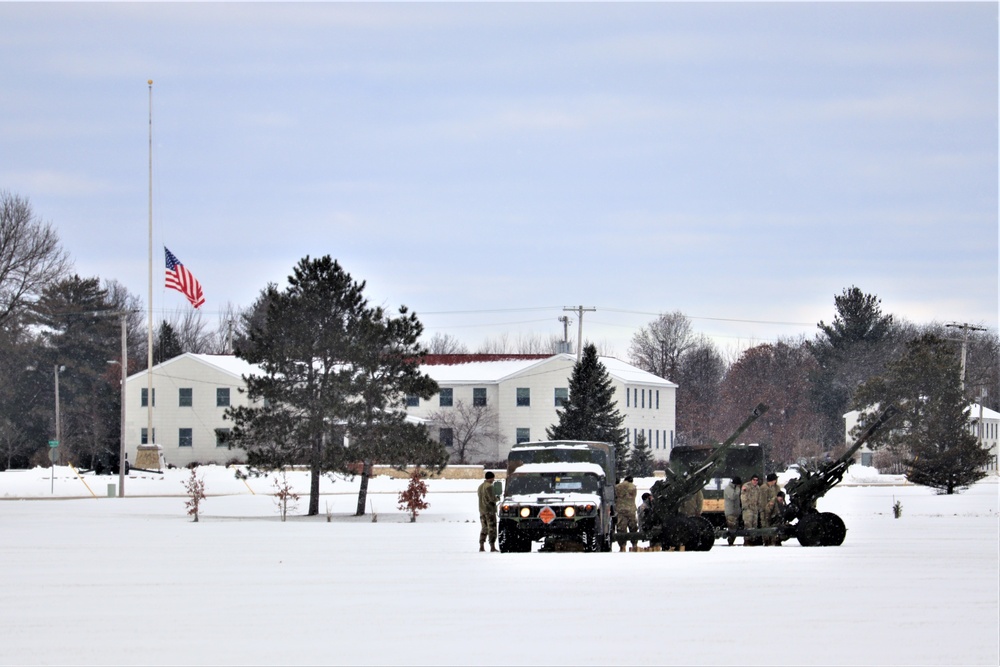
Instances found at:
x=755 y=505
x=751 y=504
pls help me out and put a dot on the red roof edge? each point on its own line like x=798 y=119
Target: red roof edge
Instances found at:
x=455 y=359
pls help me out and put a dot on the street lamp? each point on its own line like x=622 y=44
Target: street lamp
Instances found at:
x=56 y=369
x=122 y=455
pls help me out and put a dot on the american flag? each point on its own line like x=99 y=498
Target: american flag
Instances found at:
x=180 y=279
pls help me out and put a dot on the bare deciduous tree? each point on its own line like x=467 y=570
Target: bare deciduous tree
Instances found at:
x=475 y=431
x=441 y=343
x=531 y=343
x=659 y=346
x=30 y=256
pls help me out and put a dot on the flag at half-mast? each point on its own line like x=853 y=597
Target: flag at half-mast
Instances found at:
x=180 y=279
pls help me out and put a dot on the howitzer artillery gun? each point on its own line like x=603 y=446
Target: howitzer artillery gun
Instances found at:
x=814 y=528
x=665 y=526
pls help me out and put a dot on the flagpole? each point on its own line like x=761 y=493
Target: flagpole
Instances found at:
x=149 y=343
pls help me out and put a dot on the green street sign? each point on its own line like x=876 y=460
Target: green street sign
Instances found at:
x=53 y=443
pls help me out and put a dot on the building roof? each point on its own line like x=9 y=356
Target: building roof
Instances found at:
x=973 y=411
x=449 y=369
x=227 y=363
x=492 y=368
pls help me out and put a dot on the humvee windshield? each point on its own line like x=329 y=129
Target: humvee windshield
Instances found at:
x=531 y=483
x=559 y=455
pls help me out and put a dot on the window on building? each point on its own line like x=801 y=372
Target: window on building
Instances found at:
x=222 y=397
x=222 y=437
x=446 y=437
x=445 y=397
x=185 y=437
x=523 y=435
x=412 y=401
x=561 y=396
x=523 y=396
x=144 y=400
x=628 y=398
x=657 y=399
x=143 y=436
x=184 y=396
x=643 y=398
x=479 y=396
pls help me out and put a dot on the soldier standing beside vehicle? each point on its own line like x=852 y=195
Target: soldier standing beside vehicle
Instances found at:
x=645 y=512
x=732 y=505
x=778 y=515
x=487 y=513
x=625 y=510
x=769 y=493
x=750 y=499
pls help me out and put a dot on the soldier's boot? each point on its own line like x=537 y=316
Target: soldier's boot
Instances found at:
x=493 y=546
x=732 y=541
x=482 y=546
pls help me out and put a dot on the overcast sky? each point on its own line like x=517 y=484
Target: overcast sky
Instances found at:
x=489 y=164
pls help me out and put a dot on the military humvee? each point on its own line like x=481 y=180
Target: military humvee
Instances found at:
x=561 y=492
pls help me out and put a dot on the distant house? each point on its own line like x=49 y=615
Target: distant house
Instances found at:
x=190 y=394
x=527 y=390
x=983 y=423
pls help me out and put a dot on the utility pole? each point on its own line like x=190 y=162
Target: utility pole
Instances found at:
x=579 y=310
x=564 y=345
x=966 y=328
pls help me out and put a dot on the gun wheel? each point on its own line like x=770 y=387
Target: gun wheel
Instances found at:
x=821 y=530
x=704 y=533
x=809 y=530
x=834 y=530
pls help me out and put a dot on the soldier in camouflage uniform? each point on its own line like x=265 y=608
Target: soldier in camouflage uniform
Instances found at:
x=693 y=504
x=625 y=510
x=733 y=508
x=750 y=499
x=487 y=513
x=645 y=512
x=769 y=494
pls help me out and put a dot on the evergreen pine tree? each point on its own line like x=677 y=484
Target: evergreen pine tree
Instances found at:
x=591 y=412
x=933 y=427
x=640 y=459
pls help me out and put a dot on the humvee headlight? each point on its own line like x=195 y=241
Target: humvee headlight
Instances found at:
x=569 y=512
x=589 y=507
x=505 y=507
x=525 y=512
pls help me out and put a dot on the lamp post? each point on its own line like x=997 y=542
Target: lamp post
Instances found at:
x=52 y=454
x=121 y=445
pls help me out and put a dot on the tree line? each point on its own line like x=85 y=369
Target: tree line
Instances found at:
x=862 y=359
x=54 y=323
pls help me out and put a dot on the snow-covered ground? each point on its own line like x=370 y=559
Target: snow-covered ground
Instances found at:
x=133 y=580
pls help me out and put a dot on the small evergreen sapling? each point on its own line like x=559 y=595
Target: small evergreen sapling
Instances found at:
x=195 y=487
x=412 y=498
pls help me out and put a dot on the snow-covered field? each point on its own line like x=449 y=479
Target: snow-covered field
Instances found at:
x=133 y=580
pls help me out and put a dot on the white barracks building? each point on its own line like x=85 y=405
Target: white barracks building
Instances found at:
x=528 y=389
x=192 y=391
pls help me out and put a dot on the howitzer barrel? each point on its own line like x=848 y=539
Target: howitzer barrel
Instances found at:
x=670 y=493
x=886 y=415
x=811 y=486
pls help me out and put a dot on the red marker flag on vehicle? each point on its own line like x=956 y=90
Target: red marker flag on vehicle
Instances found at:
x=180 y=279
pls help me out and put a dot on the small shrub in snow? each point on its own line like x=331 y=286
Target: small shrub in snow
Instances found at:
x=412 y=498
x=897 y=509
x=284 y=497
x=195 y=487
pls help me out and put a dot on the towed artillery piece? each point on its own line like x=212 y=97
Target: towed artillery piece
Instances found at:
x=813 y=528
x=665 y=525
